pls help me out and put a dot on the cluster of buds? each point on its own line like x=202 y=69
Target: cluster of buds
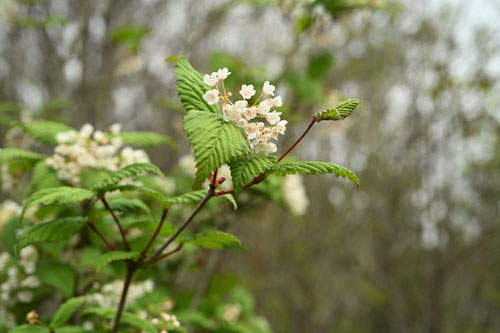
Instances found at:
x=242 y=113
x=92 y=149
x=167 y=321
x=231 y=312
x=32 y=317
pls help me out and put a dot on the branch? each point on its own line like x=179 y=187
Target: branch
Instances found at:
x=163 y=256
x=101 y=236
x=189 y=219
x=122 y=232
x=126 y=284
x=157 y=231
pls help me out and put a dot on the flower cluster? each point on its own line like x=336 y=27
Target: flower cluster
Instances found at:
x=242 y=113
x=109 y=294
x=92 y=149
x=294 y=194
x=231 y=312
x=166 y=321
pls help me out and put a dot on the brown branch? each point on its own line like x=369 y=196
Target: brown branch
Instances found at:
x=101 y=236
x=122 y=232
x=157 y=231
x=131 y=268
x=163 y=256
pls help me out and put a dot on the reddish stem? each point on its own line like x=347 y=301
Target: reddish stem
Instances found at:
x=157 y=231
x=297 y=142
x=101 y=236
x=122 y=232
x=152 y=261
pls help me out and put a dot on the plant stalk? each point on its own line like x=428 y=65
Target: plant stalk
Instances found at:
x=131 y=268
x=122 y=232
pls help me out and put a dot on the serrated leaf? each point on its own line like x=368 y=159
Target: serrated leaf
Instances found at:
x=146 y=139
x=231 y=199
x=128 y=205
x=191 y=87
x=52 y=231
x=46 y=131
x=14 y=153
x=190 y=197
x=339 y=112
x=29 y=329
x=311 y=168
x=57 y=196
x=59 y=276
x=127 y=318
x=214 y=142
x=66 y=310
x=213 y=240
x=108 y=257
x=91 y=177
x=246 y=169
x=44 y=177
x=130 y=171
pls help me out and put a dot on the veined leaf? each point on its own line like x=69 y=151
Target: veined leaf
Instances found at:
x=146 y=139
x=46 y=131
x=66 y=311
x=44 y=177
x=59 y=276
x=191 y=87
x=246 y=169
x=213 y=240
x=341 y=111
x=312 y=168
x=90 y=177
x=129 y=171
x=57 y=196
x=11 y=153
x=190 y=197
x=52 y=231
x=214 y=142
x=128 y=205
x=29 y=329
x=108 y=257
x=229 y=197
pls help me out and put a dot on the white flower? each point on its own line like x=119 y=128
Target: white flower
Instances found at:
x=273 y=117
x=268 y=88
x=30 y=282
x=25 y=296
x=250 y=113
x=277 y=101
x=223 y=73
x=231 y=112
x=211 y=96
x=86 y=130
x=295 y=194
x=265 y=106
x=211 y=80
x=242 y=122
x=115 y=128
x=281 y=126
x=98 y=136
x=64 y=137
x=247 y=91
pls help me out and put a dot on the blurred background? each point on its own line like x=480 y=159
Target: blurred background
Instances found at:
x=415 y=248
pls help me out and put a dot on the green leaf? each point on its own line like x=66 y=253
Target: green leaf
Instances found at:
x=214 y=142
x=312 y=168
x=127 y=318
x=57 y=196
x=91 y=177
x=130 y=171
x=128 y=205
x=146 y=139
x=108 y=257
x=44 y=177
x=71 y=329
x=46 y=131
x=29 y=329
x=231 y=199
x=190 y=197
x=8 y=234
x=191 y=87
x=66 y=310
x=319 y=65
x=52 y=231
x=14 y=153
x=246 y=169
x=341 y=111
x=59 y=276
x=213 y=240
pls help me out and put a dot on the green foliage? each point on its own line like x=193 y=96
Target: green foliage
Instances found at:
x=130 y=36
x=61 y=195
x=111 y=256
x=191 y=87
x=313 y=168
x=46 y=131
x=147 y=139
x=127 y=318
x=190 y=197
x=339 y=112
x=66 y=311
x=213 y=240
x=92 y=177
x=130 y=171
x=59 y=276
x=29 y=329
x=246 y=169
x=52 y=231
x=7 y=154
x=319 y=65
x=8 y=235
x=44 y=177
x=128 y=205
x=214 y=142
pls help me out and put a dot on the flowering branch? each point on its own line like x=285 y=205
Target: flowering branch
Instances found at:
x=122 y=232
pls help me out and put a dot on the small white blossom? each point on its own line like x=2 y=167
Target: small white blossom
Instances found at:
x=211 y=80
x=223 y=73
x=250 y=113
x=268 y=88
x=295 y=194
x=277 y=101
x=211 y=96
x=115 y=128
x=247 y=91
x=273 y=117
x=86 y=130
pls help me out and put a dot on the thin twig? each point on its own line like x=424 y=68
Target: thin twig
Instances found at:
x=157 y=231
x=189 y=219
x=101 y=236
x=163 y=256
x=122 y=232
x=297 y=142
x=131 y=268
